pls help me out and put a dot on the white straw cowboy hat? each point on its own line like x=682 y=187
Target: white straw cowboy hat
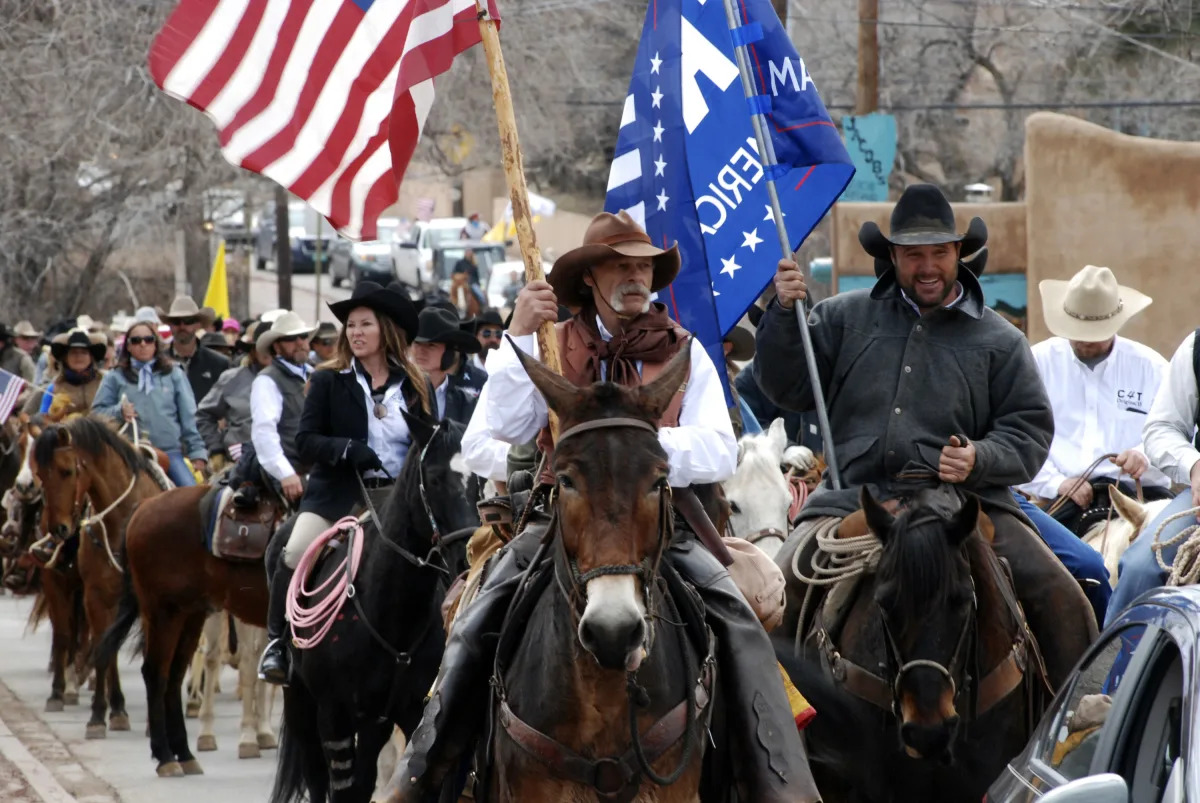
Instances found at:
x=185 y=307
x=25 y=329
x=288 y=324
x=1091 y=307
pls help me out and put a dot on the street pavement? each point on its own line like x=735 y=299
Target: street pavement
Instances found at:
x=264 y=295
x=45 y=759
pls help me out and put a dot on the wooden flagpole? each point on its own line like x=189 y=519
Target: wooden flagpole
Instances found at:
x=514 y=173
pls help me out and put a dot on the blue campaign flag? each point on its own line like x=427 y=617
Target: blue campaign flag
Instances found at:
x=687 y=166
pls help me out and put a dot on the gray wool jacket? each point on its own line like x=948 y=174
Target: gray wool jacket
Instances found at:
x=898 y=385
x=228 y=400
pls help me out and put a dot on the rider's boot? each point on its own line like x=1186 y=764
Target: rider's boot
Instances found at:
x=770 y=761
x=457 y=710
x=274 y=665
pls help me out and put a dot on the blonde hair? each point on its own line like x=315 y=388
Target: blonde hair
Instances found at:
x=395 y=351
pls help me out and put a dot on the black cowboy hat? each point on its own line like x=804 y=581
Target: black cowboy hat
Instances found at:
x=436 y=325
x=384 y=301
x=217 y=342
x=923 y=216
x=78 y=339
x=489 y=317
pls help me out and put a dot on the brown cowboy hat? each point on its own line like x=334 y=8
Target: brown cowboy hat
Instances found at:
x=609 y=235
x=185 y=307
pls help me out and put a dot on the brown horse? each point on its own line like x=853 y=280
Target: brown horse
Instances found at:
x=462 y=297
x=59 y=588
x=928 y=675
x=630 y=686
x=172 y=584
x=92 y=479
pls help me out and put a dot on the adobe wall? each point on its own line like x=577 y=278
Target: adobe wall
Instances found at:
x=1097 y=197
x=1005 y=222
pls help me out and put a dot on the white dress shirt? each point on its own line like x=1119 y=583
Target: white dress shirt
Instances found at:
x=701 y=449
x=1096 y=410
x=266 y=409
x=1171 y=426
x=388 y=437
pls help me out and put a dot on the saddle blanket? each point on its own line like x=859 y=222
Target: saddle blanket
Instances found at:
x=219 y=498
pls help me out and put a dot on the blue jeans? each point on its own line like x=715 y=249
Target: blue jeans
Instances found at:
x=1083 y=562
x=178 y=470
x=1138 y=570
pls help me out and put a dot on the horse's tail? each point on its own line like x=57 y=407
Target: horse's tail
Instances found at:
x=128 y=614
x=39 y=611
x=301 y=763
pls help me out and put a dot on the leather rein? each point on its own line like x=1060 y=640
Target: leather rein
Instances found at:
x=986 y=693
x=618 y=778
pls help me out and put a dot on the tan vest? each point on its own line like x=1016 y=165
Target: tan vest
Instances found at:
x=574 y=354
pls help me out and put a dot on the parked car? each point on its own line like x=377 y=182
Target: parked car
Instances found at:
x=1126 y=726
x=370 y=260
x=413 y=253
x=302 y=235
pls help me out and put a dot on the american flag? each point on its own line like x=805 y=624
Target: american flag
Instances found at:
x=326 y=98
x=11 y=386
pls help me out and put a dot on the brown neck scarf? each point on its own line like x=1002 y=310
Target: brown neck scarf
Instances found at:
x=650 y=337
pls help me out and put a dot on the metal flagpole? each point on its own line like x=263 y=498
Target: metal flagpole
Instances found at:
x=766 y=153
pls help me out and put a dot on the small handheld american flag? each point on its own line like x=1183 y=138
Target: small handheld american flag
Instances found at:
x=11 y=386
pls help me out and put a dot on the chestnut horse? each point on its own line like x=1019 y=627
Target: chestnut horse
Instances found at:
x=173 y=583
x=84 y=466
x=603 y=683
x=930 y=678
x=462 y=297
x=59 y=594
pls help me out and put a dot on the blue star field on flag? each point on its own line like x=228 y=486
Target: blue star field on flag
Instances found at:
x=686 y=164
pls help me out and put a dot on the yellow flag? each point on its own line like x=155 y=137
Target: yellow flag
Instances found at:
x=217 y=296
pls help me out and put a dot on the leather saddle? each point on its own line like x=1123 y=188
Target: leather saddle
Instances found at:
x=237 y=533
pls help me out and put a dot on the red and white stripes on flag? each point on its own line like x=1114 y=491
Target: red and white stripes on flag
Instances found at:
x=11 y=386
x=326 y=97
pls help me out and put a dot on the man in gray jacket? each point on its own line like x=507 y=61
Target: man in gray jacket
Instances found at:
x=919 y=373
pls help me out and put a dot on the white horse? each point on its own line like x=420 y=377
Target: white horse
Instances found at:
x=1113 y=537
x=758 y=492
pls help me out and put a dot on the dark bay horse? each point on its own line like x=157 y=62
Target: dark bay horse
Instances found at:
x=375 y=666
x=173 y=583
x=607 y=689
x=92 y=479
x=932 y=678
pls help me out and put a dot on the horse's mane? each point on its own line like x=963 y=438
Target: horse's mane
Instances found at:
x=91 y=435
x=918 y=560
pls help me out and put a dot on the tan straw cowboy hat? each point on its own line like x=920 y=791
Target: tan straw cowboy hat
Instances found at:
x=1091 y=307
x=609 y=235
x=289 y=324
x=25 y=329
x=185 y=307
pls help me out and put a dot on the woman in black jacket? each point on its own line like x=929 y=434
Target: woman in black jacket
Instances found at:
x=351 y=426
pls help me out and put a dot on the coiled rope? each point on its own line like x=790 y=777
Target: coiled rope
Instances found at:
x=1185 y=569
x=330 y=595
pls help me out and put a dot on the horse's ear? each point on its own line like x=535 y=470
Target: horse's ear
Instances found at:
x=965 y=520
x=656 y=397
x=558 y=391
x=878 y=519
x=1131 y=510
x=777 y=432
x=419 y=427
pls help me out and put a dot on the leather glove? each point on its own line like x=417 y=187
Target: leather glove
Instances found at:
x=362 y=457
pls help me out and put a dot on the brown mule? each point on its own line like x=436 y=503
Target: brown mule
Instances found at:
x=173 y=583
x=92 y=479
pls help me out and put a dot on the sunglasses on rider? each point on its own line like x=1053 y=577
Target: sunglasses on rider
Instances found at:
x=140 y=341
x=287 y=339
x=324 y=341
x=186 y=321
x=491 y=332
